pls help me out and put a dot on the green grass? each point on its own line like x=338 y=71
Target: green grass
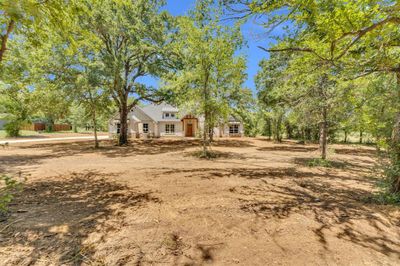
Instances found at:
x=23 y=133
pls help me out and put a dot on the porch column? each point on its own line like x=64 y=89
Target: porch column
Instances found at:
x=156 y=133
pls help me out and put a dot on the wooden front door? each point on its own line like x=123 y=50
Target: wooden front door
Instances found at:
x=189 y=130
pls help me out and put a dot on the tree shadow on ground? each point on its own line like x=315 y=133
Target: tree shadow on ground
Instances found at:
x=136 y=147
x=289 y=148
x=215 y=155
x=108 y=149
x=305 y=161
x=248 y=173
x=263 y=173
x=357 y=152
x=358 y=166
x=52 y=218
x=335 y=209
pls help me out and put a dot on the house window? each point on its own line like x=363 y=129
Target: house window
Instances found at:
x=118 y=128
x=169 y=128
x=172 y=115
x=146 y=128
x=234 y=129
x=166 y=114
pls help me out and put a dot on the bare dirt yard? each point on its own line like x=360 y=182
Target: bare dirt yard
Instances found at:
x=153 y=203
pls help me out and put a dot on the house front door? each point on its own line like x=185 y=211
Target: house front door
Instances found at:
x=189 y=130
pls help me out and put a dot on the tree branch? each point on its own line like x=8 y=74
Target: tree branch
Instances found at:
x=4 y=38
x=295 y=49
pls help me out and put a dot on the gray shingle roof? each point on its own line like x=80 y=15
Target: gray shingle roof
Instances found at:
x=155 y=111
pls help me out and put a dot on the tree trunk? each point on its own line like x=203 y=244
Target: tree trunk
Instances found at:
x=123 y=119
x=269 y=129
x=206 y=128
x=345 y=136
x=50 y=125
x=396 y=141
x=289 y=131
x=4 y=39
x=323 y=134
x=211 y=133
x=96 y=141
x=361 y=136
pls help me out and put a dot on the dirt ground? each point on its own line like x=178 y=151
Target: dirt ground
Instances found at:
x=44 y=135
x=153 y=203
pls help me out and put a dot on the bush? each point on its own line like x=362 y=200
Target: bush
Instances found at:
x=9 y=186
x=390 y=173
x=319 y=162
x=205 y=155
x=12 y=128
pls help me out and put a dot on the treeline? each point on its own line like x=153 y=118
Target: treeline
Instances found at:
x=81 y=61
x=334 y=65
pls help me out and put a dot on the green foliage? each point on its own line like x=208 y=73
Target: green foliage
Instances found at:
x=16 y=107
x=9 y=186
x=389 y=174
x=131 y=39
x=318 y=162
x=209 y=80
x=205 y=154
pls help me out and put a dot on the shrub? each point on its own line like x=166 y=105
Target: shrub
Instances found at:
x=9 y=186
x=390 y=173
x=319 y=162
x=12 y=128
x=205 y=155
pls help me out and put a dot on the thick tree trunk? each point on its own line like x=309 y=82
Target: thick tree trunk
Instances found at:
x=123 y=119
x=96 y=141
x=323 y=134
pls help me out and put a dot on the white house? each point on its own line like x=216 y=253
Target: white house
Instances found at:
x=165 y=120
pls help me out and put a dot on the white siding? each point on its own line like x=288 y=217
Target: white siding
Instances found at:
x=178 y=128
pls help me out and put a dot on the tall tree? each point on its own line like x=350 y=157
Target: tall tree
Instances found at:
x=133 y=39
x=16 y=101
x=90 y=91
x=361 y=36
x=211 y=75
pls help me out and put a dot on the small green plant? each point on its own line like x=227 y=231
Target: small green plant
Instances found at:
x=9 y=186
x=205 y=155
x=318 y=162
x=390 y=172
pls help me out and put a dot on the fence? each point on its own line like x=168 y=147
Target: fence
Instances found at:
x=34 y=127
x=61 y=127
x=42 y=127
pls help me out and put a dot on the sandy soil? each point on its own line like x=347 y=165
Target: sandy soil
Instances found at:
x=153 y=203
x=45 y=135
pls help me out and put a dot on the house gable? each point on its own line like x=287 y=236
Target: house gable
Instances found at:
x=138 y=114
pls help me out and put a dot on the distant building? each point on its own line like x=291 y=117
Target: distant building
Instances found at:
x=2 y=123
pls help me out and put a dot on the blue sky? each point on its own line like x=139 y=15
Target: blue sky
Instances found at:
x=251 y=32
